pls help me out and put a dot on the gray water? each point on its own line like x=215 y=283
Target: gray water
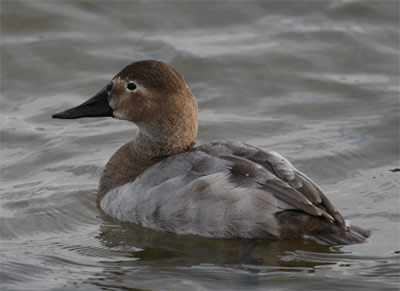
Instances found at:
x=317 y=81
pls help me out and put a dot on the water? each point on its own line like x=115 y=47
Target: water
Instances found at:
x=316 y=81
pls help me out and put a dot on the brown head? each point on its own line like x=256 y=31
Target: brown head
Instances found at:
x=152 y=95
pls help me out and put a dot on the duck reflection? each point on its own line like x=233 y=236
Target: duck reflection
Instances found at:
x=147 y=245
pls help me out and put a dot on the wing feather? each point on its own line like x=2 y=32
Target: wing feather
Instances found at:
x=279 y=177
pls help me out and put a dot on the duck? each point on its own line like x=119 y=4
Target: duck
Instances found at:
x=224 y=189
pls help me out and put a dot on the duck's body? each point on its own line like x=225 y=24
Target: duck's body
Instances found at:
x=221 y=189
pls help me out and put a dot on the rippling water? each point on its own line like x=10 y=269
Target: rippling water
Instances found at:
x=317 y=81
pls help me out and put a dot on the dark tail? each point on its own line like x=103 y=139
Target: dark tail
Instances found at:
x=300 y=225
x=354 y=235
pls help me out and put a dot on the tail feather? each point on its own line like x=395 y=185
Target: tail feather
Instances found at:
x=300 y=225
x=354 y=235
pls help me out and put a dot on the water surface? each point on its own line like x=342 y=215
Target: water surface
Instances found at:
x=317 y=81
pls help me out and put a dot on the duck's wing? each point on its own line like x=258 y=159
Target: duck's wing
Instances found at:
x=277 y=175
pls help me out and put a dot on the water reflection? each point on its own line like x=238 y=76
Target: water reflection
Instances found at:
x=147 y=246
x=195 y=258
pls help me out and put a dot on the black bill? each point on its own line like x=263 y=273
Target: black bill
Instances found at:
x=97 y=106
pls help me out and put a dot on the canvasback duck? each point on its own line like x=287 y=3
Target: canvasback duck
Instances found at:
x=160 y=180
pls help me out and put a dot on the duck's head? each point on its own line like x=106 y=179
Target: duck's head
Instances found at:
x=149 y=93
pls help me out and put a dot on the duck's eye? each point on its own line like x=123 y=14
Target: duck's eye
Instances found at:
x=131 y=86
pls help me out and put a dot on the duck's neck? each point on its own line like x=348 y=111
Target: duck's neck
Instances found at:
x=160 y=135
x=139 y=154
x=156 y=147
